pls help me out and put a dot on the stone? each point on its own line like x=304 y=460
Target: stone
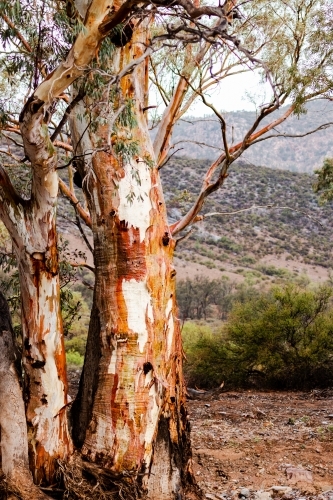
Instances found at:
x=295 y=474
x=281 y=490
x=262 y=495
x=209 y=496
x=244 y=492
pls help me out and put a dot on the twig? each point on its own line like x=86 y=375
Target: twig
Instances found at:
x=183 y=238
x=169 y=158
x=201 y=144
x=83 y=234
x=68 y=111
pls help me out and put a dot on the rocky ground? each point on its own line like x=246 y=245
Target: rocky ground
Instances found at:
x=260 y=446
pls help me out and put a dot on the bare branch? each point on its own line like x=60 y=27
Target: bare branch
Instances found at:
x=169 y=158
x=66 y=115
x=201 y=144
x=83 y=234
x=321 y=127
x=75 y=202
x=63 y=145
x=208 y=187
x=184 y=238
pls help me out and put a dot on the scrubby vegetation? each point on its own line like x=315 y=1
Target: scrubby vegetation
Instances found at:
x=294 y=225
x=278 y=338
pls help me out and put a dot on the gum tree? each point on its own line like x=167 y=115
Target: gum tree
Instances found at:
x=86 y=81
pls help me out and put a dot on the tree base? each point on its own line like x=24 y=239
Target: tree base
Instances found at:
x=84 y=480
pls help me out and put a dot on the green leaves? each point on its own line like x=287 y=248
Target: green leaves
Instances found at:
x=280 y=338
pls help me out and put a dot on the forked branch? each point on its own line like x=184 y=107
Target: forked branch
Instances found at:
x=235 y=151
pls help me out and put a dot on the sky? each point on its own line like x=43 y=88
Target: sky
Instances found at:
x=235 y=93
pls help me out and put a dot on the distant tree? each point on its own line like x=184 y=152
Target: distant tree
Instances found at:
x=198 y=296
x=324 y=183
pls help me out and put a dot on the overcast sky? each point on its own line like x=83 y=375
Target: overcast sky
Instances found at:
x=234 y=93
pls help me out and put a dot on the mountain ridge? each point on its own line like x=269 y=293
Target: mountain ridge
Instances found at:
x=302 y=154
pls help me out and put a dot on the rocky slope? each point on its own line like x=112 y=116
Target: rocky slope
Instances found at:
x=290 y=238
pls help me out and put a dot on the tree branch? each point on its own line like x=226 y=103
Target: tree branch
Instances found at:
x=208 y=187
x=67 y=113
x=17 y=33
x=75 y=202
x=83 y=234
x=321 y=127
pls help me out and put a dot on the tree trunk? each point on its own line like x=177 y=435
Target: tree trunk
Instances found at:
x=45 y=384
x=44 y=364
x=133 y=421
x=31 y=224
x=14 y=442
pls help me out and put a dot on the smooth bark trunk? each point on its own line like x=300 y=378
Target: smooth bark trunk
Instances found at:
x=14 y=441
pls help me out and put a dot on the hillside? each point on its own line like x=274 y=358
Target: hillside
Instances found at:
x=295 y=154
x=260 y=244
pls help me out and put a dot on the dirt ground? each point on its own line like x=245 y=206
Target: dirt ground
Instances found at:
x=264 y=445
x=261 y=445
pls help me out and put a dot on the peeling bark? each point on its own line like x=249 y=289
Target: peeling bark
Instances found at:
x=32 y=228
x=45 y=366
x=137 y=421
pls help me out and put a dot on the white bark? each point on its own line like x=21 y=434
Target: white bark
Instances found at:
x=14 y=443
x=14 y=440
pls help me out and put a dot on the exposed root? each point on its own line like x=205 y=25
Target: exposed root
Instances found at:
x=84 y=480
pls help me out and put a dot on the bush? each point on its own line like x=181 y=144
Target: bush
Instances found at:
x=205 y=352
x=282 y=339
x=74 y=359
x=285 y=335
x=77 y=344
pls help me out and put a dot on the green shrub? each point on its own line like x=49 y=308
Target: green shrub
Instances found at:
x=74 y=358
x=271 y=270
x=205 y=352
x=281 y=338
x=77 y=344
